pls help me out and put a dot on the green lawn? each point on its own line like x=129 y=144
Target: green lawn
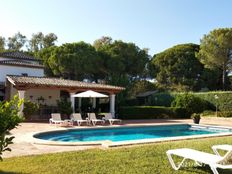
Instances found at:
x=131 y=160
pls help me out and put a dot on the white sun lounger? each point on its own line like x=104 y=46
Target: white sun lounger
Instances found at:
x=108 y=117
x=56 y=119
x=94 y=120
x=214 y=161
x=76 y=117
x=224 y=147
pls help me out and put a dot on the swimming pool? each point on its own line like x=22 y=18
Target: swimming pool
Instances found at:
x=132 y=133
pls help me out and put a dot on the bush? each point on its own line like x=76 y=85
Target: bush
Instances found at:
x=162 y=99
x=64 y=107
x=196 y=116
x=225 y=114
x=191 y=103
x=29 y=109
x=223 y=102
x=9 y=119
x=208 y=113
x=151 y=112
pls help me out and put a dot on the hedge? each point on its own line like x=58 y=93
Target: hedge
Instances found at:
x=162 y=99
x=223 y=103
x=151 y=112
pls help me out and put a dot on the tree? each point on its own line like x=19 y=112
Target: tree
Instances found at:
x=123 y=63
x=216 y=51
x=44 y=55
x=140 y=86
x=40 y=41
x=36 y=42
x=16 y=42
x=121 y=60
x=76 y=61
x=102 y=42
x=211 y=79
x=49 y=40
x=9 y=119
x=2 y=43
x=130 y=58
x=177 y=67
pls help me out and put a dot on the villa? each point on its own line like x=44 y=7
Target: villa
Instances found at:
x=24 y=74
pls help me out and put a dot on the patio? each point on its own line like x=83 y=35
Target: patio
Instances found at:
x=23 y=146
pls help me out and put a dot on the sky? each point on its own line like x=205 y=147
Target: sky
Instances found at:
x=153 y=24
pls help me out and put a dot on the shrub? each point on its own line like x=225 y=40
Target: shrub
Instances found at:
x=29 y=109
x=191 y=103
x=223 y=102
x=9 y=119
x=208 y=113
x=162 y=99
x=196 y=116
x=225 y=114
x=131 y=102
x=152 y=112
x=64 y=107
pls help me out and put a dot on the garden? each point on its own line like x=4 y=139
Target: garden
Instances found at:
x=173 y=105
x=138 y=159
x=187 y=78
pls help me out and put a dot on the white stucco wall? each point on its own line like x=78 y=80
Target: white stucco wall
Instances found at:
x=50 y=95
x=14 y=70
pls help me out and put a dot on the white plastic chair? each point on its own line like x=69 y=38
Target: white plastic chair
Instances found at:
x=56 y=119
x=108 y=117
x=224 y=147
x=76 y=117
x=94 y=120
x=214 y=161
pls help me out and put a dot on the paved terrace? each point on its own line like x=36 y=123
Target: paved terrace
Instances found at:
x=23 y=145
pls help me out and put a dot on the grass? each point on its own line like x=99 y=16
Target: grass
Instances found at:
x=131 y=160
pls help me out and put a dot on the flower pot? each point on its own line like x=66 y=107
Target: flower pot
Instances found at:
x=196 y=120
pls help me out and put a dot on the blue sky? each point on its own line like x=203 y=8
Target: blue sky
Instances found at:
x=153 y=24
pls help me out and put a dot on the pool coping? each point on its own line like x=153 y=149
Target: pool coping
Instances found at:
x=108 y=143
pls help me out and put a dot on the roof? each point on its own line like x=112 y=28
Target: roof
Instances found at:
x=20 y=63
x=18 y=55
x=45 y=82
x=20 y=59
x=145 y=94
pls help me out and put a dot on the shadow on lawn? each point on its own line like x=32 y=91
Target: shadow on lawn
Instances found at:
x=207 y=169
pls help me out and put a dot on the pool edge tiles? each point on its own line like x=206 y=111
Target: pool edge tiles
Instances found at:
x=108 y=143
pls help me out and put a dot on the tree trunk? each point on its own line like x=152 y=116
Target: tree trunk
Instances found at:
x=223 y=77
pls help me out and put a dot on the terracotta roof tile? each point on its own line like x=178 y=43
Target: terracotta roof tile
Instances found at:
x=44 y=81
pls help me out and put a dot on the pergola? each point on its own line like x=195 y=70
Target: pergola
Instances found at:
x=24 y=83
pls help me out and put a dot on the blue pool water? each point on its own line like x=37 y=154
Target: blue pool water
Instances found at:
x=128 y=133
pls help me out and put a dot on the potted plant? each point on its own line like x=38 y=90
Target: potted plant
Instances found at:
x=30 y=108
x=196 y=118
x=65 y=108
